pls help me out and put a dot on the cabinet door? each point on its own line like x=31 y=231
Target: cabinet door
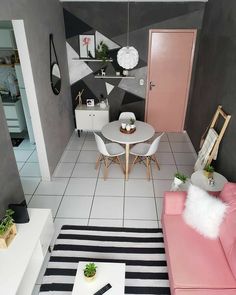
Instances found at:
x=6 y=38
x=100 y=119
x=10 y=111
x=83 y=120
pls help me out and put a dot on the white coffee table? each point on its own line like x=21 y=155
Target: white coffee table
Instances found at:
x=199 y=179
x=113 y=273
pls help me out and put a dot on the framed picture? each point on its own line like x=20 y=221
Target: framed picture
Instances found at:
x=87 y=46
x=90 y=102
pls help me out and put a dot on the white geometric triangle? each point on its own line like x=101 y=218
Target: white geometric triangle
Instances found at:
x=109 y=88
x=100 y=37
x=77 y=69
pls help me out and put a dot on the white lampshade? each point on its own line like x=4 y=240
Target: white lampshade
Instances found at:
x=127 y=57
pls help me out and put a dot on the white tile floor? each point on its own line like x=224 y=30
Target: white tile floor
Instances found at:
x=78 y=194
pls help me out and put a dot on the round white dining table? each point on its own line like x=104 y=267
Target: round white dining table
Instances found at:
x=142 y=133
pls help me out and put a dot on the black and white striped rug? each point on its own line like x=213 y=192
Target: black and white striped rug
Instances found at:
x=142 y=249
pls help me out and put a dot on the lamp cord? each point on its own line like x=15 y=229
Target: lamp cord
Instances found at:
x=128 y=25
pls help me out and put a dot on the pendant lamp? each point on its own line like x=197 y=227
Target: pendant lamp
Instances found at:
x=127 y=57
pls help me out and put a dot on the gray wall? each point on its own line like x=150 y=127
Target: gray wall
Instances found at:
x=10 y=185
x=215 y=81
x=40 y=19
x=87 y=18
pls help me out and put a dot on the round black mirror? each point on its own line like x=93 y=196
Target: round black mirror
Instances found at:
x=55 y=78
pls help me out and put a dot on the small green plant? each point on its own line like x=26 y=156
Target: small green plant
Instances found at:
x=132 y=121
x=180 y=176
x=90 y=270
x=209 y=168
x=102 y=51
x=6 y=222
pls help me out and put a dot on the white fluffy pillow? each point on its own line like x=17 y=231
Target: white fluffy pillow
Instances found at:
x=203 y=212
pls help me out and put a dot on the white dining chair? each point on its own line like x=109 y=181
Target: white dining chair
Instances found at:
x=127 y=116
x=146 y=151
x=108 y=152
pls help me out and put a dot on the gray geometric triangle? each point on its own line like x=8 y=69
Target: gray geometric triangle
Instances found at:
x=133 y=85
x=100 y=37
x=109 y=88
x=77 y=68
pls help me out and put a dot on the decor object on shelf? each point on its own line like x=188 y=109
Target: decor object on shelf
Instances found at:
x=203 y=212
x=55 y=74
x=79 y=96
x=208 y=171
x=87 y=46
x=7 y=229
x=90 y=102
x=90 y=271
x=103 y=73
x=102 y=51
x=127 y=57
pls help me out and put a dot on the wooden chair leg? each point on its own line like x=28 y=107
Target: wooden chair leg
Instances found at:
x=98 y=161
x=134 y=161
x=148 y=168
x=155 y=159
x=121 y=165
x=105 y=167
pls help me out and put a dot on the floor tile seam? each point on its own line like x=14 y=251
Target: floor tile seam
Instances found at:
x=142 y=197
x=95 y=188
x=154 y=195
x=22 y=166
x=74 y=165
x=29 y=156
x=123 y=222
x=62 y=197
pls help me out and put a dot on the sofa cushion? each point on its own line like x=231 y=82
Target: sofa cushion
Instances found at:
x=203 y=212
x=228 y=227
x=194 y=261
x=204 y=292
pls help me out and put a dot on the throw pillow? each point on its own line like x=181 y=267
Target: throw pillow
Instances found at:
x=203 y=212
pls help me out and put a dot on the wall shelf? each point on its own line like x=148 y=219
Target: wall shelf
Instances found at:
x=113 y=77
x=92 y=59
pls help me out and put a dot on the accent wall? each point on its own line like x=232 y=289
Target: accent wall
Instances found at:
x=215 y=81
x=107 y=21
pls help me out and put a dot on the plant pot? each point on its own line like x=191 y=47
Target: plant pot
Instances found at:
x=208 y=174
x=89 y=279
x=7 y=237
x=177 y=181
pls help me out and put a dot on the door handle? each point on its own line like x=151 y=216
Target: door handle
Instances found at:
x=151 y=85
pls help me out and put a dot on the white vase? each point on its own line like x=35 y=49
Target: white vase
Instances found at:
x=177 y=181
x=132 y=126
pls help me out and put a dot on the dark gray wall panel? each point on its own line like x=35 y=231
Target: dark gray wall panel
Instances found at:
x=215 y=81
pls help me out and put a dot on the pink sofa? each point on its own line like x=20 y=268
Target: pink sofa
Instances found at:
x=197 y=265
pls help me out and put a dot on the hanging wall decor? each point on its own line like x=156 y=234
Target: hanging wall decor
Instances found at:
x=55 y=74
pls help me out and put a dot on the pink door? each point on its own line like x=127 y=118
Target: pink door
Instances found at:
x=170 y=65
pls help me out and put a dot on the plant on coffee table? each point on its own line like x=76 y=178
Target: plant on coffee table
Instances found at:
x=90 y=271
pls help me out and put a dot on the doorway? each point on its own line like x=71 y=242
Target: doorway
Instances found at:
x=170 y=62
x=22 y=113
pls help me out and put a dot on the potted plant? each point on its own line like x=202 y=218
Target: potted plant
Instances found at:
x=179 y=178
x=90 y=271
x=102 y=51
x=7 y=229
x=132 y=121
x=208 y=171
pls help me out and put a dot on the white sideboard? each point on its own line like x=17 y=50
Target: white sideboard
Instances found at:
x=21 y=262
x=91 y=118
